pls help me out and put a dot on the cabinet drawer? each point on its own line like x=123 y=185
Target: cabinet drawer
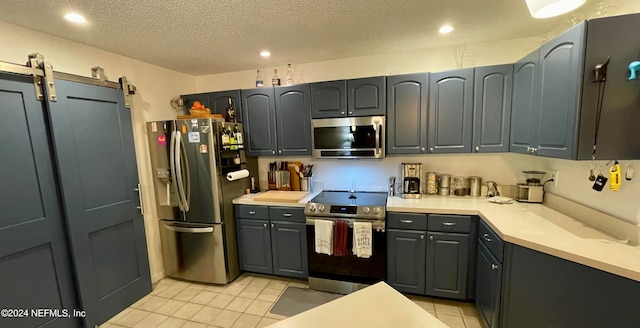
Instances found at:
x=252 y=212
x=407 y=221
x=289 y=214
x=449 y=223
x=491 y=240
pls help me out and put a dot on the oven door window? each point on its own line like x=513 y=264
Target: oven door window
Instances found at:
x=345 y=137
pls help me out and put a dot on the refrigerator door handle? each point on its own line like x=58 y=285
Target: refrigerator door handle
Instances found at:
x=174 y=165
x=189 y=230
x=179 y=179
x=187 y=176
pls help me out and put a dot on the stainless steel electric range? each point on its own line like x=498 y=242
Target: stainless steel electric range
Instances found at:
x=348 y=273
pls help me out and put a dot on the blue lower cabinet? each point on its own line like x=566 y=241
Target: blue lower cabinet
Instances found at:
x=275 y=242
x=254 y=246
x=447 y=265
x=488 y=286
x=406 y=258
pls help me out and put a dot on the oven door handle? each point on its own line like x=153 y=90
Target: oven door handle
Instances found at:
x=377 y=225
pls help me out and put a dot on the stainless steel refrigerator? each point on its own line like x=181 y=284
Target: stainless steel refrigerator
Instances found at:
x=193 y=196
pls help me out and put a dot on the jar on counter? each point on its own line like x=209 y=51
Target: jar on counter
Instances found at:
x=460 y=186
x=432 y=183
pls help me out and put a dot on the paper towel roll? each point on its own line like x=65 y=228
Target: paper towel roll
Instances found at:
x=236 y=175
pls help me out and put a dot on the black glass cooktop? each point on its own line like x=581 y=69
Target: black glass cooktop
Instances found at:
x=359 y=198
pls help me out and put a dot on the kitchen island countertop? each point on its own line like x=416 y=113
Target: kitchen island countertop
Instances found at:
x=377 y=306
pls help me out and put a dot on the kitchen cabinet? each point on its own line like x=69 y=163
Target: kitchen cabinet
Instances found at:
x=555 y=97
x=277 y=121
x=489 y=277
x=272 y=240
x=450 y=111
x=254 y=245
x=220 y=100
x=541 y=290
x=406 y=260
x=366 y=97
x=356 y=97
x=426 y=262
x=492 y=108
x=329 y=99
x=203 y=98
x=407 y=97
x=526 y=94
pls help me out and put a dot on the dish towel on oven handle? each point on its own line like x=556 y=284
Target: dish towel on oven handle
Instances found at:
x=362 y=239
x=324 y=236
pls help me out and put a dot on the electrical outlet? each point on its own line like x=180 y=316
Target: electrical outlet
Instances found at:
x=554 y=176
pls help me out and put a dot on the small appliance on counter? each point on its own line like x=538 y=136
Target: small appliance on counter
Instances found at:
x=411 y=178
x=532 y=191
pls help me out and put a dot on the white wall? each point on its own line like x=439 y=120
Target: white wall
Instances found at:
x=156 y=86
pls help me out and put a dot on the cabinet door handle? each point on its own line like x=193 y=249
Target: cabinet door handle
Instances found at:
x=422 y=149
x=252 y=212
x=287 y=215
x=486 y=237
x=421 y=236
x=406 y=221
x=279 y=151
x=264 y=225
x=477 y=148
x=273 y=151
x=273 y=225
x=494 y=266
x=431 y=149
x=341 y=113
x=448 y=224
x=350 y=113
x=431 y=237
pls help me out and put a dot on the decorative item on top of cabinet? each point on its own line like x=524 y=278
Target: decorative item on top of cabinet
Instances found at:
x=492 y=108
x=407 y=97
x=450 y=111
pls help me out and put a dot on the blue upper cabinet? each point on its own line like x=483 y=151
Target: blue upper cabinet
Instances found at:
x=220 y=100
x=407 y=97
x=259 y=116
x=366 y=97
x=293 y=121
x=492 y=108
x=525 y=102
x=329 y=99
x=450 y=111
x=561 y=61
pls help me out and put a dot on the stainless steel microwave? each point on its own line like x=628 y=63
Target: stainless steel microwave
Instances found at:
x=348 y=137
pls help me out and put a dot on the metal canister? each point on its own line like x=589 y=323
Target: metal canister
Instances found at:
x=475 y=186
x=460 y=186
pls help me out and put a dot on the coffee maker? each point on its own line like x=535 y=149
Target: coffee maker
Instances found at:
x=411 y=179
x=532 y=191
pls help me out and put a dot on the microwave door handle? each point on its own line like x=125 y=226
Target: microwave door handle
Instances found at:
x=378 y=148
x=172 y=163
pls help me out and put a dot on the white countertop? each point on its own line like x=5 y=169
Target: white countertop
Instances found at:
x=534 y=226
x=377 y=306
x=537 y=227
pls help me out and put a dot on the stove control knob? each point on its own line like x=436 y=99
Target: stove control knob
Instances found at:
x=312 y=208
x=366 y=210
x=321 y=208
x=376 y=210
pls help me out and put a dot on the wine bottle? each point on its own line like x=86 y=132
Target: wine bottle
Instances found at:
x=259 y=82
x=288 y=79
x=275 y=80
x=224 y=137
x=239 y=137
x=232 y=139
x=231 y=112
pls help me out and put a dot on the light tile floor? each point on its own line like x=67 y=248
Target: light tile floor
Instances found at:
x=245 y=303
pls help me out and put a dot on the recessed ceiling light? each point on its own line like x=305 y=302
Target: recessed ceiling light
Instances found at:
x=265 y=53
x=75 y=17
x=446 y=29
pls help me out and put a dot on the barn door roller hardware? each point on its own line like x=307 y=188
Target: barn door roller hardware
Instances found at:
x=37 y=60
x=128 y=90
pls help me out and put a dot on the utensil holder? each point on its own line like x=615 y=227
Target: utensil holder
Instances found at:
x=306 y=184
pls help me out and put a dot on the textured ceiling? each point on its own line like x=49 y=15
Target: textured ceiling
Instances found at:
x=200 y=37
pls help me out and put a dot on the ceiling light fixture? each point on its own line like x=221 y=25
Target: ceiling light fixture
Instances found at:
x=265 y=53
x=445 y=29
x=75 y=17
x=551 y=8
